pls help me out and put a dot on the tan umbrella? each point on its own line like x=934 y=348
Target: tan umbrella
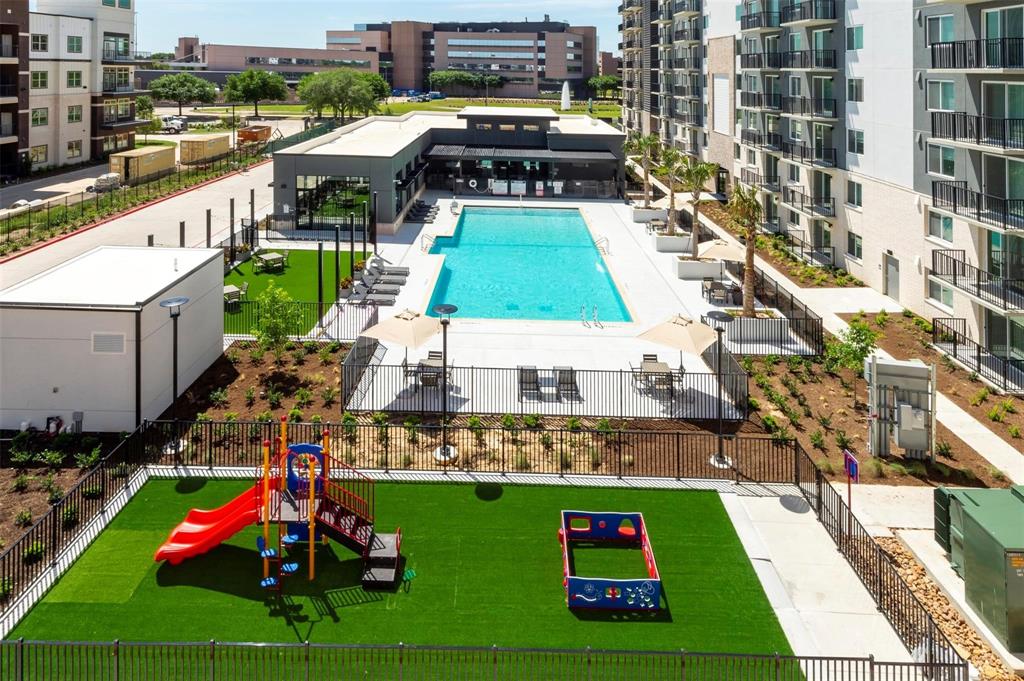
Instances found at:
x=409 y=329
x=681 y=333
x=720 y=249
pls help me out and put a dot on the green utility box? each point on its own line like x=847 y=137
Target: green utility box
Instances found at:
x=982 y=530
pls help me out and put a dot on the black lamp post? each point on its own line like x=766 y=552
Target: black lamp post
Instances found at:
x=337 y=259
x=445 y=312
x=720 y=459
x=352 y=246
x=173 y=306
x=373 y=221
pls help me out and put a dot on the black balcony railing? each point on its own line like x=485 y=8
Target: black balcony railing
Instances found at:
x=761 y=60
x=750 y=176
x=761 y=100
x=630 y=44
x=984 y=53
x=811 y=10
x=8 y=89
x=764 y=140
x=952 y=267
x=817 y=107
x=692 y=118
x=1005 y=133
x=809 y=59
x=686 y=7
x=955 y=197
x=118 y=55
x=795 y=244
x=950 y=336
x=816 y=155
x=686 y=34
x=824 y=206
x=688 y=63
x=769 y=182
x=112 y=86
x=758 y=20
x=686 y=91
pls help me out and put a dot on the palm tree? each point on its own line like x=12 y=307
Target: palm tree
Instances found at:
x=646 y=147
x=745 y=215
x=671 y=166
x=694 y=176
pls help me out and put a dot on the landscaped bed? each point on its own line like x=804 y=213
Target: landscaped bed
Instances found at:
x=487 y=564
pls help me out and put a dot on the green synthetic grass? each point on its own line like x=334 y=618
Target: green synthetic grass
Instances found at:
x=488 y=571
x=299 y=279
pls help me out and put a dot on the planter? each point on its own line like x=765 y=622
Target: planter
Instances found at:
x=663 y=243
x=344 y=292
x=641 y=214
x=697 y=270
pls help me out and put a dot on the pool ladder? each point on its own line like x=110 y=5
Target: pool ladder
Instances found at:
x=583 y=317
x=602 y=245
x=426 y=241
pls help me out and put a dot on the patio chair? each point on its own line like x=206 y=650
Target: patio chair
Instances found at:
x=377 y=287
x=379 y=264
x=232 y=300
x=705 y=286
x=435 y=354
x=383 y=278
x=364 y=296
x=429 y=379
x=244 y=292
x=565 y=383
x=719 y=295
x=651 y=358
x=529 y=383
x=257 y=263
x=407 y=370
x=639 y=382
x=662 y=382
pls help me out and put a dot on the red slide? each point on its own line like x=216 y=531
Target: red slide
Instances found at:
x=203 y=530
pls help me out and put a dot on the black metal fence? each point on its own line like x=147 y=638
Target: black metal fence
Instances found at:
x=801 y=333
x=317 y=321
x=215 y=661
x=798 y=247
x=1007 y=133
x=951 y=337
x=20 y=228
x=951 y=266
x=981 y=53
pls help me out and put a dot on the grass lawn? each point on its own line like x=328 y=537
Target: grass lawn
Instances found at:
x=488 y=571
x=299 y=279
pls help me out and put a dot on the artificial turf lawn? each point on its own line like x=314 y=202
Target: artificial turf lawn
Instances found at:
x=488 y=571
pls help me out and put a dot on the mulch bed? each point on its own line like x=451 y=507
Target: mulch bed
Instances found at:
x=35 y=499
x=829 y=412
x=908 y=336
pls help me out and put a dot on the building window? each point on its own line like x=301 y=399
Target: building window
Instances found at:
x=940 y=160
x=40 y=42
x=854 y=37
x=736 y=151
x=855 y=89
x=108 y=3
x=794 y=173
x=40 y=117
x=124 y=109
x=937 y=293
x=531 y=127
x=794 y=218
x=751 y=157
x=123 y=141
x=40 y=80
x=37 y=154
x=794 y=86
x=74 y=79
x=796 y=130
x=855 y=141
x=75 y=44
x=854 y=246
x=854 y=195
x=940 y=29
x=75 y=113
x=941 y=95
x=75 y=149
x=108 y=144
x=507 y=127
x=940 y=227
x=124 y=4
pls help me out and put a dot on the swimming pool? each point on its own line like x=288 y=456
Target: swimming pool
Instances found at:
x=525 y=263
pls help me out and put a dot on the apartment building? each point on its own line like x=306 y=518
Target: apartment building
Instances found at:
x=81 y=93
x=882 y=137
x=608 y=64
x=14 y=88
x=533 y=56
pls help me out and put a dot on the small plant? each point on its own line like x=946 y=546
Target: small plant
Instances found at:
x=508 y=421
x=310 y=347
x=1013 y=430
x=944 y=449
x=996 y=474
x=325 y=356
x=876 y=469
x=379 y=418
x=996 y=414
x=329 y=395
x=979 y=397
x=88 y=459
x=747 y=362
x=265 y=416
x=770 y=361
x=274 y=397
x=782 y=435
x=531 y=420
x=92 y=492
x=825 y=421
x=843 y=440
x=350 y=425
x=295 y=415
x=21 y=483
x=546 y=441
x=33 y=553
x=69 y=516
x=898 y=469
x=121 y=470
x=316 y=418
x=54 y=495
x=881 y=319
x=1008 y=406
x=21 y=458
x=573 y=423
x=753 y=403
x=973 y=377
x=303 y=397
x=825 y=466
x=298 y=357
x=232 y=356
x=51 y=458
x=256 y=355
x=917 y=469
x=23 y=518
x=908 y=313
x=818 y=440
x=250 y=396
x=770 y=424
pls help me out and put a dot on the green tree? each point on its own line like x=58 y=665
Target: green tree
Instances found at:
x=183 y=88
x=315 y=92
x=143 y=107
x=603 y=85
x=380 y=88
x=646 y=147
x=255 y=86
x=694 y=176
x=854 y=345
x=278 y=317
x=671 y=165
x=744 y=215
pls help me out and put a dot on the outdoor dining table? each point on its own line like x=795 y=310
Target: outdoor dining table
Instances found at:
x=271 y=260
x=231 y=290
x=430 y=364
x=651 y=370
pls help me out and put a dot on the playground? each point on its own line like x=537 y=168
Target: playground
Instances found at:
x=482 y=565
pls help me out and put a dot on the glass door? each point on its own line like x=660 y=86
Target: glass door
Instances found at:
x=1003 y=29
x=822 y=140
x=1002 y=106
x=819 y=42
x=825 y=103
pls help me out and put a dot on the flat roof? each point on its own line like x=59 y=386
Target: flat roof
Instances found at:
x=143 y=151
x=531 y=112
x=109 y=276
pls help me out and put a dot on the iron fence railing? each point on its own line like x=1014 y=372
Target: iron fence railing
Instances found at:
x=956 y=197
x=983 y=53
x=1005 y=133
x=759 y=20
x=809 y=10
x=824 y=206
x=761 y=60
x=812 y=107
x=816 y=155
x=801 y=249
x=952 y=267
x=319 y=321
x=1003 y=371
x=809 y=59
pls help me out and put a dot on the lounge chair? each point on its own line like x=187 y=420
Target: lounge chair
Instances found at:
x=379 y=277
x=378 y=287
x=365 y=295
x=565 y=383
x=384 y=268
x=363 y=290
x=529 y=383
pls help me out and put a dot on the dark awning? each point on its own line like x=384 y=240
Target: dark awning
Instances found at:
x=460 y=151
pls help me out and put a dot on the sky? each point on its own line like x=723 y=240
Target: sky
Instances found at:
x=302 y=23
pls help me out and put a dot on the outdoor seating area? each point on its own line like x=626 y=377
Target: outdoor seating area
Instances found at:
x=234 y=295
x=427 y=373
x=269 y=261
x=721 y=292
x=379 y=283
x=422 y=213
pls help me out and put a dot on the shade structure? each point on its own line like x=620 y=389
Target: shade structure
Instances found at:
x=407 y=328
x=720 y=249
x=681 y=333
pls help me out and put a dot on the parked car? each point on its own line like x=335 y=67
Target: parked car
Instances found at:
x=173 y=124
x=20 y=203
x=434 y=94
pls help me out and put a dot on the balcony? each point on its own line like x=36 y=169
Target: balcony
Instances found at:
x=8 y=90
x=9 y=129
x=1003 y=294
x=686 y=8
x=771 y=101
x=115 y=87
x=763 y=140
x=118 y=122
x=750 y=177
x=687 y=91
x=819 y=156
x=809 y=60
x=760 y=21
x=686 y=35
x=950 y=337
x=809 y=13
x=981 y=131
x=630 y=5
x=687 y=63
x=794 y=243
x=818 y=206
x=981 y=54
x=630 y=44
x=689 y=118
x=118 y=56
x=985 y=209
x=761 y=60
x=810 y=107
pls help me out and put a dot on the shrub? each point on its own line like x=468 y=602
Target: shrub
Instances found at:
x=334 y=346
x=33 y=553
x=546 y=441
x=325 y=356
x=531 y=420
x=51 y=458
x=265 y=416
x=250 y=396
x=299 y=357
x=310 y=347
x=825 y=466
x=349 y=423
x=256 y=356
x=92 y=492
x=876 y=469
x=753 y=404
x=944 y=470
x=316 y=418
x=1008 y=406
x=508 y=421
x=1013 y=430
x=232 y=356
x=769 y=363
x=573 y=423
x=295 y=415
x=996 y=474
x=747 y=362
x=69 y=516
x=818 y=440
x=898 y=468
x=944 y=448
x=22 y=458
x=843 y=441
x=329 y=395
x=274 y=397
x=770 y=424
x=23 y=518
x=54 y=495
x=908 y=313
x=303 y=397
x=20 y=483
x=996 y=415
x=379 y=418
x=979 y=397
x=881 y=319
x=782 y=435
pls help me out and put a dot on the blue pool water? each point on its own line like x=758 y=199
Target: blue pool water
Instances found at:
x=525 y=263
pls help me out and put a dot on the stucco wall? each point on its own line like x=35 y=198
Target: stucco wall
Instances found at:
x=721 y=60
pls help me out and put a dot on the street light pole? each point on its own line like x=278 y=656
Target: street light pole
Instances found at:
x=719 y=457
x=352 y=246
x=173 y=307
x=445 y=311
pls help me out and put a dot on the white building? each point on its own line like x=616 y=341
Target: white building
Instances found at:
x=90 y=336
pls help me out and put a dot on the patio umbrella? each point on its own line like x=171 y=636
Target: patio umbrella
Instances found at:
x=720 y=249
x=409 y=329
x=681 y=333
